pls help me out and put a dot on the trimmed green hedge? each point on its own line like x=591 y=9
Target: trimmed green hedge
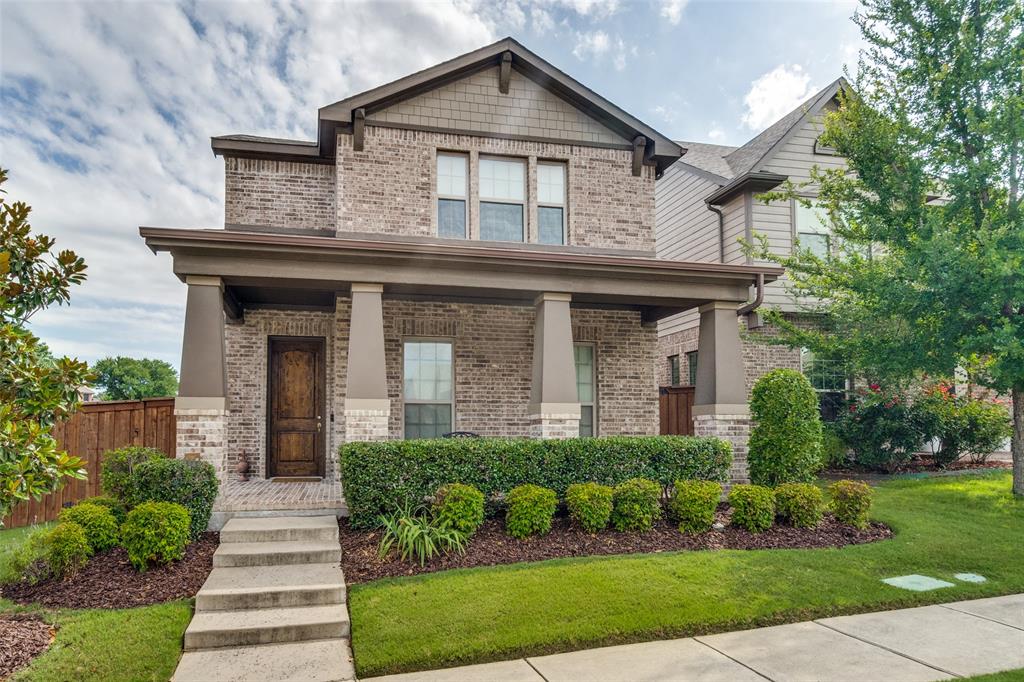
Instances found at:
x=380 y=476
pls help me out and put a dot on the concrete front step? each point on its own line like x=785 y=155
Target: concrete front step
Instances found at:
x=281 y=529
x=327 y=660
x=276 y=553
x=261 y=587
x=215 y=629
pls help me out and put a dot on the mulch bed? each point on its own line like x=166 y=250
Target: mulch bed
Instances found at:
x=491 y=546
x=22 y=638
x=109 y=581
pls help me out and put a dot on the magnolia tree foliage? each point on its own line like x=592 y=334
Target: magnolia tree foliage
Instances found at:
x=36 y=389
x=926 y=268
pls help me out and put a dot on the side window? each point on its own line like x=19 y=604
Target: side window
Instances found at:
x=551 y=202
x=586 y=388
x=812 y=231
x=502 y=199
x=691 y=364
x=673 y=369
x=829 y=379
x=452 y=191
x=428 y=380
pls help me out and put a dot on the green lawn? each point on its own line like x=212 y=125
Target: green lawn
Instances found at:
x=1005 y=676
x=97 y=644
x=943 y=526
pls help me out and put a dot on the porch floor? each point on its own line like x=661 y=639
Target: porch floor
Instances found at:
x=259 y=495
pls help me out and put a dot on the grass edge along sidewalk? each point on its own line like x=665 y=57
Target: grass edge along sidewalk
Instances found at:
x=943 y=526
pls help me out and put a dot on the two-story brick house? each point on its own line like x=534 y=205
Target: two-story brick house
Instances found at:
x=469 y=248
x=708 y=201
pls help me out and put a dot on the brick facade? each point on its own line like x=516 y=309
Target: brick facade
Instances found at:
x=201 y=434
x=758 y=358
x=493 y=356
x=280 y=194
x=390 y=188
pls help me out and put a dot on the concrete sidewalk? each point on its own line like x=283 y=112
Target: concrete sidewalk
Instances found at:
x=926 y=643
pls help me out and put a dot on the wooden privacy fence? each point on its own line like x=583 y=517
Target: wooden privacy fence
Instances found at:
x=91 y=431
x=676 y=403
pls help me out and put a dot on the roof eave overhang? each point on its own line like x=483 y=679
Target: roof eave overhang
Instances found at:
x=646 y=281
x=748 y=182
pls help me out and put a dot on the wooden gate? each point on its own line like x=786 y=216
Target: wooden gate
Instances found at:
x=676 y=404
x=91 y=431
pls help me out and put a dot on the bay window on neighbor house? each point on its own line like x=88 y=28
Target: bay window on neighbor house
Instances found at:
x=428 y=388
x=812 y=230
x=452 y=195
x=551 y=202
x=502 y=199
x=586 y=387
x=829 y=379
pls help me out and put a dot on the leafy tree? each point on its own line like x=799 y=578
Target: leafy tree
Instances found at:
x=928 y=250
x=133 y=379
x=36 y=389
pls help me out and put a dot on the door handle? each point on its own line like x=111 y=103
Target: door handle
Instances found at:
x=319 y=424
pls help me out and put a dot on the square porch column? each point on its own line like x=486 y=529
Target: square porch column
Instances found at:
x=554 y=409
x=367 y=407
x=201 y=407
x=720 y=402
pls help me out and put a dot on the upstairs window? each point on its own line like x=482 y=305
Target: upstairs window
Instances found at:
x=451 y=195
x=551 y=202
x=502 y=199
x=812 y=230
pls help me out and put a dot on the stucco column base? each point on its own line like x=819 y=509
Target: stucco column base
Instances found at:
x=732 y=428
x=554 y=420
x=366 y=419
x=202 y=433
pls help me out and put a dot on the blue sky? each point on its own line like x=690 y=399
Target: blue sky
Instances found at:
x=106 y=109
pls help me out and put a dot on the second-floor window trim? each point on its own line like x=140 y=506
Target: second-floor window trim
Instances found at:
x=810 y=227
x=452 y=195
x=551 y=201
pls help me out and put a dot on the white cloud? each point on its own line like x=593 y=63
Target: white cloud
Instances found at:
x=673 y=10
x=541 y=20
x=716 y=134
x=775 y=94
x=597 y=45
x=664 y=113
x=106 y=125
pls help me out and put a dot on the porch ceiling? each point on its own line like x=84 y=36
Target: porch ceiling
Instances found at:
x=276 y=269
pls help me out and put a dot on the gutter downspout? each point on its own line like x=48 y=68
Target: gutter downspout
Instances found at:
x=758 y=298
x=721 y=231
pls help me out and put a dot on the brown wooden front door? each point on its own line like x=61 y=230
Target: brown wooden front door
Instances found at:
x=676 y=404
x=295 y=407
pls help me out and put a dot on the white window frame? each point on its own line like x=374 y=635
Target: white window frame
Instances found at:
x=481 y=199
x=414 y=401
x=464 y=198
x=796 y=208
x=594 y=401
x=547 y=204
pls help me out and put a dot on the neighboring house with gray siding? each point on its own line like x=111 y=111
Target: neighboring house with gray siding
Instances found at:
x=469 y=248
x=707 y=202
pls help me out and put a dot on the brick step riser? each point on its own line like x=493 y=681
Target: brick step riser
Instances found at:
x=325 y=556
x=216 y=639
x=271 y=598
x=280 y=535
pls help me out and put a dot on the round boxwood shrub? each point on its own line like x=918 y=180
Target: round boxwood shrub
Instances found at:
x=118 y=467
x=637 y=505
x=530 y=510
x=460 y=507
x=785 y=443
x=192 y=484
x=67 y=549
x=590 y=505
x=800 y=504
x=693 y=504
x=155 y=532
x=753 y=507
x=851 y=502
x=98 y=522
x=115 y=506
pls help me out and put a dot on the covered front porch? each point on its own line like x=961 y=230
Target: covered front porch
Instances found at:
x=294 y=345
